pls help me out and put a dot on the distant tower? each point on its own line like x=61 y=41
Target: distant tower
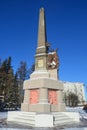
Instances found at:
x=43 y=91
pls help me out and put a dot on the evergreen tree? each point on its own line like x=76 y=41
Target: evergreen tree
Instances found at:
x=22 y=75
x=16 y=90
x=31 y=70
x=22 y=71
x=3 y=77
x=11 y=86
x=8 y=83
x=0 y=62
x=9 y=96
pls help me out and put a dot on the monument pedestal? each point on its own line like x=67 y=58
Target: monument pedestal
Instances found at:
x=43 y=94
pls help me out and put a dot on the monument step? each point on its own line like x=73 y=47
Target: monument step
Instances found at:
x=26 y=122
x=59 y=123
x=22 y=123
x=26 y=116
x=28 y=113
x=22 y=118
x=63 y=118
x=32 y=119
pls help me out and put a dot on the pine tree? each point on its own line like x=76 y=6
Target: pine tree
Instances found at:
x=3 y=77
x=22 y=73
x=16 y=90
x=9 y=97
x=8 y=83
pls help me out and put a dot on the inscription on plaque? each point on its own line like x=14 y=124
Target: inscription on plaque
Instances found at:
x=40 y=63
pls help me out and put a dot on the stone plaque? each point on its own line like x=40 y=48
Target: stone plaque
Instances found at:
x=34 y=95
x=40 y=63
x=52 y=96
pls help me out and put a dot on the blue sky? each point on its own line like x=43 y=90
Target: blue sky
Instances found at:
x=66 y=25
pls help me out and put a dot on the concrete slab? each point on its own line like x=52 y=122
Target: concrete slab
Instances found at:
x=44 y=120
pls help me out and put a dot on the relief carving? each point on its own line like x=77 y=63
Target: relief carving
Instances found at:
x=34 y=95
x=52 y=60
x=52 y=96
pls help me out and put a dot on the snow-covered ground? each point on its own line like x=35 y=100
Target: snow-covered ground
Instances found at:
x=13 y=129
x=44 y=129
x=83 y=114
x=76 y=128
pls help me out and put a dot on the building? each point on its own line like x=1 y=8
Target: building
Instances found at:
x=85 y=88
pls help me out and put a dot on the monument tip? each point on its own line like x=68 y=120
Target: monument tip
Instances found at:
x=41 y=9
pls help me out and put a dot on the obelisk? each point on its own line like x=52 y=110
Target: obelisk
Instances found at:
x=43 y=91
x=41 y=51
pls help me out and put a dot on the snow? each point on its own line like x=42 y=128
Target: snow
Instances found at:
x=3 y=115
x=76 y=128
x=83 y=114
x=12 y=129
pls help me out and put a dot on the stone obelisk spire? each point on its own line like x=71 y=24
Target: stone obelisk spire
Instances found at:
x=41 y=47
x=42 y=29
